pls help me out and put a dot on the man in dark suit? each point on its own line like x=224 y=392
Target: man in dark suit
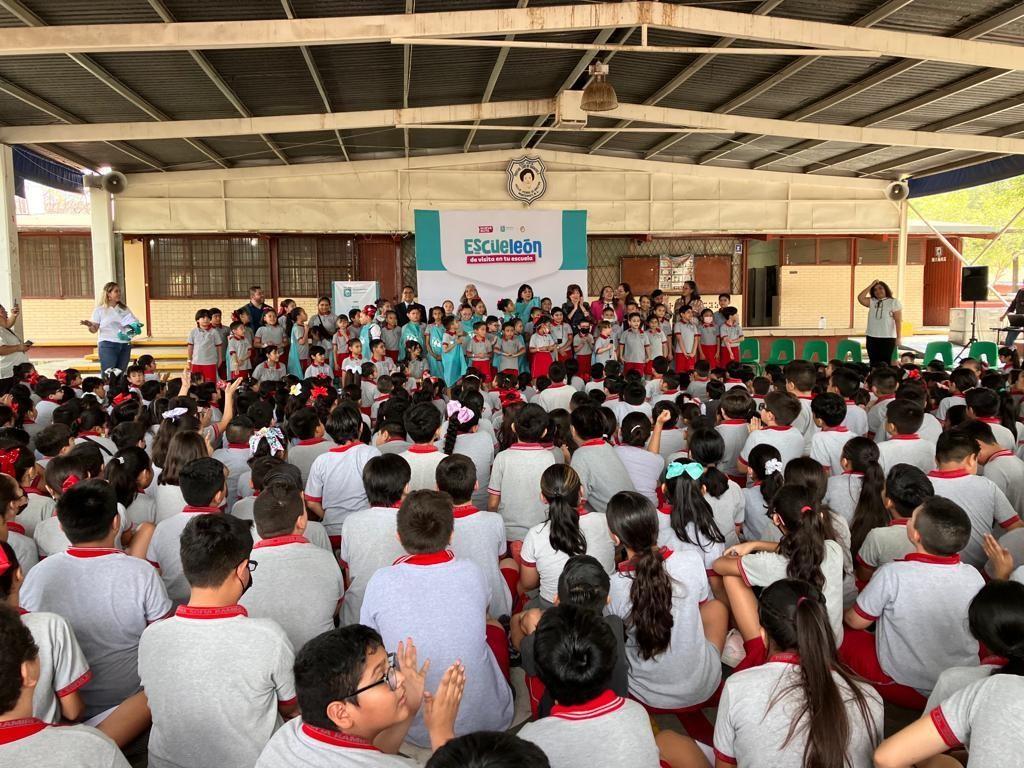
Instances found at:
x=408 y=302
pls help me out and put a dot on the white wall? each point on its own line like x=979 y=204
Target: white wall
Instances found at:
x=621 y=196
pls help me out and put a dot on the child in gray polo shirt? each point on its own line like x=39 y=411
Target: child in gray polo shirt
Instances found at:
x=595 y=460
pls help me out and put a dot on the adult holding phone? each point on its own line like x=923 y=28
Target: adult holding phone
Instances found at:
x=114 y=323
x=1015 y=307
x=13 y=351
x=885 y=316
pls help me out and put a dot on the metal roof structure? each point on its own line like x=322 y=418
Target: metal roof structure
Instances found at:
x=854 y=88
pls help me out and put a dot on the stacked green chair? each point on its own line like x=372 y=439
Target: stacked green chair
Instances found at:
x=938 y=349
x=815 y=350
x=987 y=350
x=849 y=348
x=750 y=353
x=783 y=351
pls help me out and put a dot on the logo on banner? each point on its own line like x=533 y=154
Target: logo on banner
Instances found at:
x=526 y=179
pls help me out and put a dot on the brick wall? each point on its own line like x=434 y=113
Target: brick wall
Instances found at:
x=912 y=296
x=174 y=318
x=57 y=319
x=809 y=292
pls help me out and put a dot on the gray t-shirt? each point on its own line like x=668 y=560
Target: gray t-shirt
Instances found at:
x=205 y=346
x=46 y=746
x=906 y=449
x=369 y=541
x=303 y=453
x=515 y=479
x=984 y=504
x=165 y=551
x=956 y=679
x=884 y=545
x=296 y=743
x=62 y=665
x=480 y=536
x=1007 y=472
x=423 y=461
x=601 y=473
x=978 y=716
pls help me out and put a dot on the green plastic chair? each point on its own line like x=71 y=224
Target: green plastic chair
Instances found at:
x=987 y=350
x=783 y=351
x=938 y=349
x=815 y=348
x=851 y=348
x=750 y=353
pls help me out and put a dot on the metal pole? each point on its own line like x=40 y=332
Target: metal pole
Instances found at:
x=901 y=250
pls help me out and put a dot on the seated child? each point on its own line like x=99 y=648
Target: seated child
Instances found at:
x=906 y=489
x=514 y=488
x=827 y=443
x=423 y=427
x=598 y=465
x=304 y=425
x=735 y=407
x=775 y=427
x=235 y=457
x=903 y=419
x=996 y=463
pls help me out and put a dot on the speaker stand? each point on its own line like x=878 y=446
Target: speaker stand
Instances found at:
x=974 y=338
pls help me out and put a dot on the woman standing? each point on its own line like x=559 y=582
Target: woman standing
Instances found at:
x=575 y=311
x=690 y=297
x=13 y=351
x=111 y=320
x=469 y=295
x=885 y=316
x=605 y=301
x=324 y=319
x=525 y=302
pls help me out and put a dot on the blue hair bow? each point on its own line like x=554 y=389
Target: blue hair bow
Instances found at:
x=694 y=469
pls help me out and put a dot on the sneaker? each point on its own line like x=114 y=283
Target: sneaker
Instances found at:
x=733 y=652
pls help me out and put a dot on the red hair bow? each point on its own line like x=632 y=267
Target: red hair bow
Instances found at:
x=323 y=376
x=32 y=379
x=70 y=482
x=914 y=374
x=318 y=392
x=5 y=564
x=8 y=459
x=14 y=407
x=61 y=376
x=124 y=397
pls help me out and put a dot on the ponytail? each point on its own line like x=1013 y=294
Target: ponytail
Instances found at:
x=690 y=506
x=122 y=472
x=462 y=417
x=766 y=463
x=794 y=616
x=804 y=534
x=708 y=447
x=862 y=455
x=560 y=486
x=634 y=521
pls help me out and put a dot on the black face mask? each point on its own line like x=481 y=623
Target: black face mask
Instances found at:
x=246 y=587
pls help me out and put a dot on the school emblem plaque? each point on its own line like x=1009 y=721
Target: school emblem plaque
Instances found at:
x=526 y=179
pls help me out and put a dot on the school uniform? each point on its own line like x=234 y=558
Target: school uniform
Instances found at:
x=708 y=550
x=946 y=403
x=38 y=508
x=601 y=472
x=271 y=335
x=1007 y=471
x=688 y=672
x=317 y=371
x=442 y=602
x=266 y=372
x=827 y=447
x=236 y=458
x=755 y=714
x=685 y=334
x=918 y=605
x=762 y=569
x=298 y=743
x=205 y=352
x=658 y=341
x=105 y=444
x=885 y=545
x=698 y=388
x=299 y=587
x=214 y=679
x=244 y=509
x=856 y=419
x=239 y=356
x=977 y=717
x=315 y=535
x=607 y=730
x=755 y=514
x=383 y=367
x=622 y=409
x=983 y=502
x=906 y=449
x=555 y=396
x=369 y=541
x=804 y=422
x=423 y=461
x=540 y=362
x=728 y=511
x=843 y=492
x=165 y=551
x=787 y=440
x=31 y=742
x=303 y=453
x=583 y=349
x=956 y=679
x=537 y=552
x=480 y=536
x=79 y=584
x=673 y=441
x=734 y=433
x=730 y=336
x=394 y=445
x=63 y=668
x=336 y=482
x=644 y=469
x=479 y=447
x=515 y=479
x=708 y=339
x=877 y=418
x=49 y=539
x=636 y=348
x=505 y=349
x=604 y=349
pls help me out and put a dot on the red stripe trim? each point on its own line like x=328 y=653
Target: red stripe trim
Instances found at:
x=215 y=612
x=719 y=755
x=431 y=558
x=914 y=436
x=948 y=473
x=84 y=552
x=74 y=685
x=422 y=448
x=1007 y=523
x=343 y=448
x=16 y=527
x=277 y=541
x=942 y=726
x=464 y=510
x=864 y=614
x=311 y=441
x=337 y=738
x=923 y=557
x=604 y=704
x=15 y=730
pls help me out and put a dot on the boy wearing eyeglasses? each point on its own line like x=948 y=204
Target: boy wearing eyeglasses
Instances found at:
x=218 y=682
x=358 y=701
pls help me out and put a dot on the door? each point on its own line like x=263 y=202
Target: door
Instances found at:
x=379 y=260
x=941 y=282
x=641 y=273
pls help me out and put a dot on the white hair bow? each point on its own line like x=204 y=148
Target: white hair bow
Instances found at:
x=772 y=466
x=273 y=436
x=174 y=414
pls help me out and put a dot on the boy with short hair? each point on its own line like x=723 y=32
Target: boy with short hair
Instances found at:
x=318 y=367
x=271 y=369
x=906 y=488
x=26 y=740
x=956 y=478
x=775 y=427
x=800 y=380
x=903 y=419
x=204 y=347
x=304 y=425
x=107 y=596
x=300 y=585
x=996 y=463
x=357 y=703
x=236 y=455
x=514 y=486
x=918 y=605
x=479 y=535
x=604 y=343
x=215 y=679
x=558 y=393
x=960 y=380
x=589 y=724
x=883 y=386
x=735 y=407
x=382 y=364
x=698 y=386
x=204 y=489
x=54 y=440
x=828 y=442
x=369 y=538
x=509 y=348
x=442 y=602
x=334 y=488
x=423 y=427
x=846 y=383
x=239 y=350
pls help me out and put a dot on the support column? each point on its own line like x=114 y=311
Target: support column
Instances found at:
x=104 y=263
x=901 y=251
x=10 y=264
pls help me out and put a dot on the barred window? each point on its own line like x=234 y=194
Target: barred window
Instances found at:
x=207 y=267
x=308 y=265
x=56 y=266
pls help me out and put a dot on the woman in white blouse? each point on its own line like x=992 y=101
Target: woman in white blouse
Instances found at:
x=111 y=320
x=885 y=315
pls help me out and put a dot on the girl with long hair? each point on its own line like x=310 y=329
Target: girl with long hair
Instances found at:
x=675 y=628
x=764 y=466
x=687 y=521
x=130 y=473
x=707 y=447
x=466 y=435
x=184 y=447
x=568 y=530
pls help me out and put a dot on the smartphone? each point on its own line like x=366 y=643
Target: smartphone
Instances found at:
x=29 y=343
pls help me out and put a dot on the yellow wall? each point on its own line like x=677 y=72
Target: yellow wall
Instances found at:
x=810 y=292
x=135 y=278
x=912 y=295
x=57 y=320
x=175 y=318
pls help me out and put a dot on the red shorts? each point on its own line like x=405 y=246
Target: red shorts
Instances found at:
x=710 y=353
x=858 y=652
x=485 y=368
x=584 y=364
x=540 y=364
x=641 y=367
x=208 y=372
x=684 y=362
x=239 y=374
x=497 y=641
x=728 y=355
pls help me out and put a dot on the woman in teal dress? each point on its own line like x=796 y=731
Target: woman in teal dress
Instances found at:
x=525 y=302
x=432 y=351
x=453 y=356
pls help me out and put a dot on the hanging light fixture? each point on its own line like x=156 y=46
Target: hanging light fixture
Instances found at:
x=598 y=95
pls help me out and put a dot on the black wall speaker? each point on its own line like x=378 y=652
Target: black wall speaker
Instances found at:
x=974 y=284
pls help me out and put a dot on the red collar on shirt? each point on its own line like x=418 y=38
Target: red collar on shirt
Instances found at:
x=190 y=510
x=556 y=386
x=734 y=381
x=948 y=474
x=604 y=704
x=899 y=521
x=805 y=397
x=277 y=541
x=834 y=429
x=239 y=446
x=337 y=738
x=914 y=436
x=732 y=421
x=84 y=552
x=345 y=447
x=381 y=398
x=611 y=398
x=432 y=558
x=33 y=491
x=628 y=565
x=90 y=433
x=526 y=447
x=311 y=441
x=921 y=557
x=853 y=473
x=595 y=441
x=785 y=657
x=219 y=612
x=881 y=398
x=996 y=455
x=670 y=392
x=414 y=448
x=665 y=509
x=990 y=419
x=16 y=527
x=16 y=730
x=851 y=402
x=779 y=428
x=464 y=510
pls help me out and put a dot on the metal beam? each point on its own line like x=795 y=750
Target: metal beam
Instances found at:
x=216 y=35
x=990 y=24
x=881 y=13
x=36 y=24
x=492 y=80
x=410 y=7
x=314 y=72
x=688 y=72
x=214 y=77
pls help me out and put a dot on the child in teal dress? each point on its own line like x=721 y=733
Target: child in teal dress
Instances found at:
x=411 y=331
x=525 y=302
x=433 y=349
x=453 y=356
